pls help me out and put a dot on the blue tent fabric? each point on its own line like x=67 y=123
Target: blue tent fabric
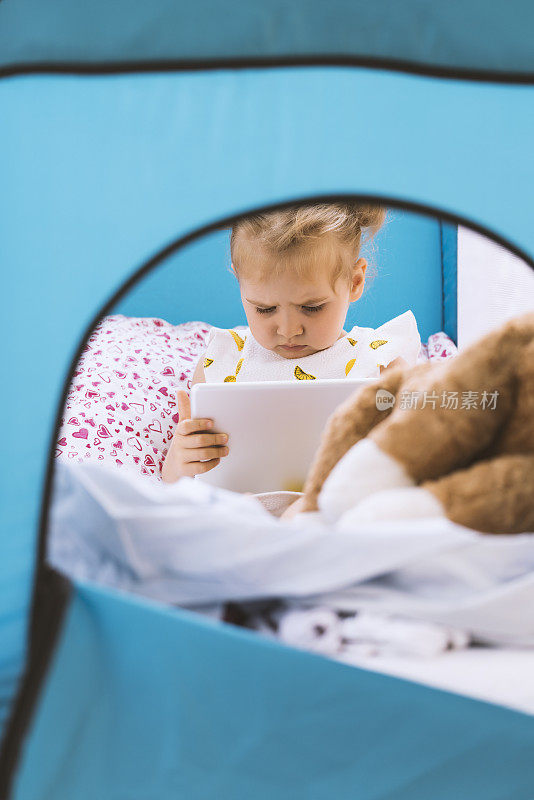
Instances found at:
x=240 y=718
x=103 y=172
x=468 y=35
x=449 y=275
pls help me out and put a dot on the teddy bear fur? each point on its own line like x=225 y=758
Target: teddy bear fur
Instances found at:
x=473 y=464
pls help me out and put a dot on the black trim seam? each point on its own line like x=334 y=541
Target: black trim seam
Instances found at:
x=265 y=62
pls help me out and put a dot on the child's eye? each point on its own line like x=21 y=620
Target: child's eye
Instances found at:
x=312 y=309
x=265 y=310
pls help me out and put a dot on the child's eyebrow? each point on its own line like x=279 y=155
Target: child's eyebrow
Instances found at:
x=257 y=303
x=310 y=302
x=313 y=300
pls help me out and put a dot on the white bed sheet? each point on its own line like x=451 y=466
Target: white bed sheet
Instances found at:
x=196 y=546
x=502 y=676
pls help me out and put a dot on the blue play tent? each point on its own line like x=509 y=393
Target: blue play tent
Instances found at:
x=128 y=131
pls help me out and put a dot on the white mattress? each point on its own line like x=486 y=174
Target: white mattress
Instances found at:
x=503 y=676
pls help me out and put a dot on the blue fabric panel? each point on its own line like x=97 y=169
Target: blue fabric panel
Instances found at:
x=404 y=269
x=147 y=702
x=195 y=283
x=98 y=174
x=458 y=33
x=449 y=266
x=404 y=262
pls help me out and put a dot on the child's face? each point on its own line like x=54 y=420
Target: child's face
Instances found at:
x=297 y=317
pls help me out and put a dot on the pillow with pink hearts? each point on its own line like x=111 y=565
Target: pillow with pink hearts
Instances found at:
x=121 y=404
x=438 y=346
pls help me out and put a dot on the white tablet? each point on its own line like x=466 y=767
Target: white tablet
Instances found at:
x=274 y=429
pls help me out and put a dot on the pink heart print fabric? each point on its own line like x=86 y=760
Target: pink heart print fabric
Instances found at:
x=121 y=405
x=439 y=346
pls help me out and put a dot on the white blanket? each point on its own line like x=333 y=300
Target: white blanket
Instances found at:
x=196 y=546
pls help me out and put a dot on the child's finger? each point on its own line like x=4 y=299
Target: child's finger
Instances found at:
x=197 y=467
x=184 y=404
x=205 y=466
x=188 y=426
x=196 y=440
x=204 y=454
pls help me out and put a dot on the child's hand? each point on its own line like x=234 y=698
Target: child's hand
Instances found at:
x=397 y=362
x=194 y=448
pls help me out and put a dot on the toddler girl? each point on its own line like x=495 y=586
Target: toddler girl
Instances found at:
x=299 y=269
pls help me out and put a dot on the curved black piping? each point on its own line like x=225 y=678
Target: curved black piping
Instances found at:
x=266 y=62
x=51 y=591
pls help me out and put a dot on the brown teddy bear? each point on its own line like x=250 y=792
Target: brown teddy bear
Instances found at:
x=455 y=438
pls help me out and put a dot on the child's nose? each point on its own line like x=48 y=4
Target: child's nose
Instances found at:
x=289 y=327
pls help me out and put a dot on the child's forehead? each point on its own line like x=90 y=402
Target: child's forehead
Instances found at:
x=317 y=262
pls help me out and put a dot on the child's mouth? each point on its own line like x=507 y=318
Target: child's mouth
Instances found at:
x=293 y=348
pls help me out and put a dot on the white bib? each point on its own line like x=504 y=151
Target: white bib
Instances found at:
x=234 y=355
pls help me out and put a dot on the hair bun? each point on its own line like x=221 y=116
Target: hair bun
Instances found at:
x=369 y=216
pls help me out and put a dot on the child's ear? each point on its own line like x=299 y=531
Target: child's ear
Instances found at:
x=234 y=272
x=358 y=279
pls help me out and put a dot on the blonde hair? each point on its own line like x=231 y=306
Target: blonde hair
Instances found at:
x=304 y=238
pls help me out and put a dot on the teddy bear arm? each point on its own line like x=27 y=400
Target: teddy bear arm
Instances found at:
x=493 y=496
x=351 y=422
